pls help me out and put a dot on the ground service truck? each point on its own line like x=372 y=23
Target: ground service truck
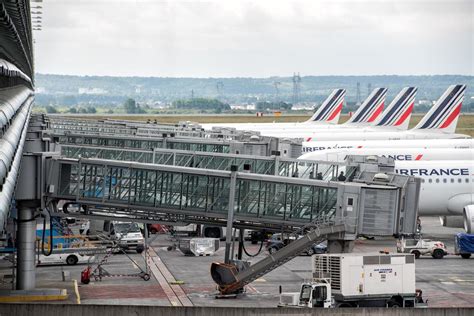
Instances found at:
x=352 y=280
x=464 y=245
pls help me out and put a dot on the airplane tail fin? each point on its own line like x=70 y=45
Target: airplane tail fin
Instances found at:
x=370 y=109
x=331 y=108
x=399 y=111
x=444 y=114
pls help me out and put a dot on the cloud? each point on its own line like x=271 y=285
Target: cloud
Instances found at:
x=255 y=38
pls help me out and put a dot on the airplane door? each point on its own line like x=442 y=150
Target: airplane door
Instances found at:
x=350 y=205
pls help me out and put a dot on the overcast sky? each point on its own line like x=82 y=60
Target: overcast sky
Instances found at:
x=231 y=38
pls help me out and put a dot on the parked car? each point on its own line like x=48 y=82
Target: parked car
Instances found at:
x=158 y=229
x=128 y=235
x=257 y=236
x=276 y=242
x=421 y=247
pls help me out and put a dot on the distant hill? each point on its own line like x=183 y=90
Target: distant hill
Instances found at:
x=97 y=90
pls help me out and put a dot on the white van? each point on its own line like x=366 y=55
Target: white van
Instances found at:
x=128 y=235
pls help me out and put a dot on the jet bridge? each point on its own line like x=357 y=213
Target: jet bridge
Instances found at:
x=183 y=137
x=147 y=192
x=60 y=124
x=215 y=145
x=269 y=165
x=136 y=128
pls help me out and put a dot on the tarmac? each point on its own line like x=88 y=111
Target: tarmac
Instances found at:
x=178 y=280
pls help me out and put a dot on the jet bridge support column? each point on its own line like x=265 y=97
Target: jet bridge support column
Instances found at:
x=245 y=190
x=230 y=214
x=340 y=246
x=26 y=233
x=28 y=195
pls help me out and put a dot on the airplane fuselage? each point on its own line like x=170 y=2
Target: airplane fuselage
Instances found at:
x=414 y=143
x=447 y=186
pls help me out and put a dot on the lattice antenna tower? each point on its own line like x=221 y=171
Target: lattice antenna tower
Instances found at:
x=276 y=84
x=296 y=87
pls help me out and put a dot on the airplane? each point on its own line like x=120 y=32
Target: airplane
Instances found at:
x=367 y=113
x=447 y=188
x=401 y=153
x=395 y=117
x=405 y=143
x=439 y=122
x=328 y=113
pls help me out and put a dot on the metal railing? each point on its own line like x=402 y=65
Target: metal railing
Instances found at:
x=269 y=165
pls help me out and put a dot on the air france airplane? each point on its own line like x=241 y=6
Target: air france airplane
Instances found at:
x=308 y=147
x=328 y=113
x=395 y=117
x=402 y=154
x=439 y=122
x=367 y=113
x=447 y=186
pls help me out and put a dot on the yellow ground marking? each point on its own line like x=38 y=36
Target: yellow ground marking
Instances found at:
x=33 y=298
x=76 y=290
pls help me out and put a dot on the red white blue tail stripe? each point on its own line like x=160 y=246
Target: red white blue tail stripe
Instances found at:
x=331 y=107
x=371 y=108
x=399 y=110
x=445 y=112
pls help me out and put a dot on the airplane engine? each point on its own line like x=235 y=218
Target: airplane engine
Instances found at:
x=469 y=218
x=452 y=221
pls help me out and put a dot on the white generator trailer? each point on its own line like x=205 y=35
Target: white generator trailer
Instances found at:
x=352 y=280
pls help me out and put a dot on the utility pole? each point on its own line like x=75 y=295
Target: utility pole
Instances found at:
x=277 y=96
x=358 y=94
x=219 y=88
x=276 y=84
x=369 y=88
